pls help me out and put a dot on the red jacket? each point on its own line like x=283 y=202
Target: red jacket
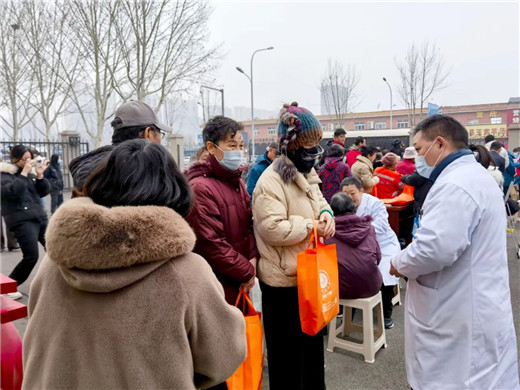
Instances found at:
x=389 y=185
x=222 y=221
x=351 y=156
x=405 y=167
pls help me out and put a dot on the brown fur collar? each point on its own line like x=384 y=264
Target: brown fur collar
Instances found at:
x=288 y=172
x=88 y=236
x=8 y=168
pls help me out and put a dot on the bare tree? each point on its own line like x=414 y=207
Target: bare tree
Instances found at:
x=165 y=52
x=422 y=73
x=337 y=88
x=15 y=78
x=52 y=63
x=94 y=31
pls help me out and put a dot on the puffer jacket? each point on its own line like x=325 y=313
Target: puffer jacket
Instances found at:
x=81 y=167
x=21 y=195
x=221 y=218
x=285 y=203
x=331 y=174
x=363 y=170
x=358 y=257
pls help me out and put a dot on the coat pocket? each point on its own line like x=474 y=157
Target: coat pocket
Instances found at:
x=423 y=302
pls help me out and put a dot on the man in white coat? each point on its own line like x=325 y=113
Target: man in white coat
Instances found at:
x=386 y=238
x=459 y=331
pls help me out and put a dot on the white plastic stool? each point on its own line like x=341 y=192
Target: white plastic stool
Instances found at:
x=396 y=300
x=373 y=340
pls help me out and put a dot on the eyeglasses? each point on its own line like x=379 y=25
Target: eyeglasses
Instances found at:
x=159 y=131
x=312 y=156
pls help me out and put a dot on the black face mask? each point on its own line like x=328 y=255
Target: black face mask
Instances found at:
x=303 y=165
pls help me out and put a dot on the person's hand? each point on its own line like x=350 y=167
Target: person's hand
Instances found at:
x=394 y=272
x=248 y=285
x=40 y=168
x=329 y=225
x=29 y=163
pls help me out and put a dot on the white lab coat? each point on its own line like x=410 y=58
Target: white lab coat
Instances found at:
x=386 y=238
x=459 y=331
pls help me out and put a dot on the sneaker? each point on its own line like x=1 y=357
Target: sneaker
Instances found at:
x=15 y=295
x=389 y=323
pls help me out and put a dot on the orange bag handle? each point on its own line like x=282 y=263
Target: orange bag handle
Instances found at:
x=246 y=301
x=314 y=236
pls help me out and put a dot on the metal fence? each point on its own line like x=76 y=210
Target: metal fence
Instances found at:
x=67 y=150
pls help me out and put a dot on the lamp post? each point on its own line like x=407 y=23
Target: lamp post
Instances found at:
x=221 y=90
x=391 y=106
x=252 y=105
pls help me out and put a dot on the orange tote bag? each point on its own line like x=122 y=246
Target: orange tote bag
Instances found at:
x=318 y=285
x=249 y=375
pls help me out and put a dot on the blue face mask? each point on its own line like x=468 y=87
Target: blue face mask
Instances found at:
x=232 y=159
x=422 y=166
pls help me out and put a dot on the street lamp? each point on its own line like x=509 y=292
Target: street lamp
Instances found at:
x=252 y=106
x=391 y=106
x=221 y=90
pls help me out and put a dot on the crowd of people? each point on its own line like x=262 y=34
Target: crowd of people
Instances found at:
x=145 y=263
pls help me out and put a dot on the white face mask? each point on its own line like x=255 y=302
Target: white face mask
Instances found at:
x=232 y=159
x=422 y=166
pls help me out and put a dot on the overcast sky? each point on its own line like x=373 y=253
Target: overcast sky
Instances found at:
x=480 y=43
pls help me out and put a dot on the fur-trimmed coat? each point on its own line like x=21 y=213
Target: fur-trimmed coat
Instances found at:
x=121 y=302
x=21 y=195
x=285 y=202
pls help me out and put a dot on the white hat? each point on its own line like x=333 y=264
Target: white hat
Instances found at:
x=410 y=152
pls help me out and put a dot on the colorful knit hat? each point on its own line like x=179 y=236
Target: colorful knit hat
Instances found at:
x=390 y=159
x=297 y=126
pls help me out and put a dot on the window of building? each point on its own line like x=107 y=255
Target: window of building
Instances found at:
x=331 y=126
x=473 y=122
x=496 y=120
x=271 y=131
x=402 y=124
x=380 y=125
x=359 y=125
x=257 y=132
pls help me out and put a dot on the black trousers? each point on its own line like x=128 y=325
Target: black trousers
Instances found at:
x=28 y=234
x=56 y=200
x=295 y=360
x=387 y=293
x=11 y=240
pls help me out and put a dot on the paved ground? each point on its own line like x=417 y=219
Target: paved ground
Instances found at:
x=344 y=370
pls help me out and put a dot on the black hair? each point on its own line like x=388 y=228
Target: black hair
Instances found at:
x=516 y=150
x=339 y=131
x=139 y=173
x=496 y=146
x=368 y=150
x=488 y=138
x=351 y=181
x=483 y=155
x=342 y=204
x=34 y=152
x=54 y=159
x=16 y=153
x=219 y=127
x=444 y=126
x=335 y=151
x=359 y=140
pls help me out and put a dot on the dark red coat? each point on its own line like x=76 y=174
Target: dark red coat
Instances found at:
x=222 y=221
x=358 y=257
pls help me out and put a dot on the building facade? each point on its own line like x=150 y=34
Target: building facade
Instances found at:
x=480 y=120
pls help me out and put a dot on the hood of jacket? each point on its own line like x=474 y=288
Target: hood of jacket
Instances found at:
x=100 y=249
x=332 y=163
x=212 y=168
x=8 y=168
x=289 y=173
x=366 y=161
x=352 y=229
